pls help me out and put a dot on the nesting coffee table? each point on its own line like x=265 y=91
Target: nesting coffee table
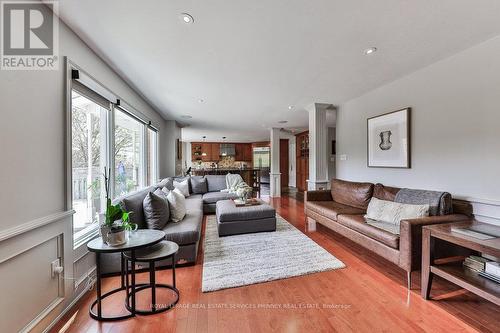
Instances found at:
x=138 y=239
x=233 y=220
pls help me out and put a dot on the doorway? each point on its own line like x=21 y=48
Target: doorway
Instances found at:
x=284 y=162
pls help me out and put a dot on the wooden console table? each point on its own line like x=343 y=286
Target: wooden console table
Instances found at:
x=454 y=271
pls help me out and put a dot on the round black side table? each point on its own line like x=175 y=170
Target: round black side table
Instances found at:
x=160 y=251
x=138 y=239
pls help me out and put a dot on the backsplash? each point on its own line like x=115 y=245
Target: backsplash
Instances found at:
x=225 y=162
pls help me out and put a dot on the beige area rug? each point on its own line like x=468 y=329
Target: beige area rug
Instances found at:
x=241 y=260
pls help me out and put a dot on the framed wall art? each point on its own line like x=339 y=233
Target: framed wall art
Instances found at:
x=389 y=140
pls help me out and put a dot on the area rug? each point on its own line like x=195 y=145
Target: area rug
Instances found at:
x=241 y=260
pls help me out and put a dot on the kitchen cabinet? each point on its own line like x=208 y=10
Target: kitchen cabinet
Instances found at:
x=215 y=152
x=210 y=151
x=244 y=152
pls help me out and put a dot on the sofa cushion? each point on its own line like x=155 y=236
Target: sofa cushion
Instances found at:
x=156 y=210
x=213 y=197
x=359 y=224
x=331 y=209
x=133 y=203
x=383 y=192
x=183 y=187
x=188 y=230
x=394 y=212
x=216 y=183
x=167 y=182
x=352 y=193
x=177 y=204
x=199 y=185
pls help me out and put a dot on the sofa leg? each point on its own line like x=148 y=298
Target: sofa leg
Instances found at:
x=408 y=277
x=310 y=225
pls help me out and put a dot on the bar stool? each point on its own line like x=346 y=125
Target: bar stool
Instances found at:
x=161 y=251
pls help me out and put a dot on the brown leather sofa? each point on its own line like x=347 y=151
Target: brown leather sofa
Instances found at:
x=342 y=210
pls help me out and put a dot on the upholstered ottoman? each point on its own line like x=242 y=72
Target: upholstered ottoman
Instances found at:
x=232 y=220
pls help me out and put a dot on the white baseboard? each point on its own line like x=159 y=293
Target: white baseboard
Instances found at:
x=69 y=307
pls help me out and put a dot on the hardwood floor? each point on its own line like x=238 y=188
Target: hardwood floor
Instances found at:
x=368 y=295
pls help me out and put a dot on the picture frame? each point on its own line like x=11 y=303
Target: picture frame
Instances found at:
x=389 y=140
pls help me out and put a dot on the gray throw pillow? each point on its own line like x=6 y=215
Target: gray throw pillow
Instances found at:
x=156 y=210
x=199 y=185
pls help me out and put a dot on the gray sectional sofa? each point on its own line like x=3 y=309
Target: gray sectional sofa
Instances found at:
x=209 y=194
x=185 y=233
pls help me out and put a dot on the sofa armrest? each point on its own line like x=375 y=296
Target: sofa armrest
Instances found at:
x=322 y=195
x=410 y=238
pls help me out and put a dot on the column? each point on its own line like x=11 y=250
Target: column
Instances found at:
x=275 y=174
x=318 y=148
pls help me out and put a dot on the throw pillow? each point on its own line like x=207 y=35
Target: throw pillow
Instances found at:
x=199 y=185
x=177 y=203
x=167 y=182
x=156 y=210
x=165 y=190
x=183 y=187
x=393 y=212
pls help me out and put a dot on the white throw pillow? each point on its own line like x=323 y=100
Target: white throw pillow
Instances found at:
x=177 y=204
x=183 y=187
x=394 y=212
x=165 y=190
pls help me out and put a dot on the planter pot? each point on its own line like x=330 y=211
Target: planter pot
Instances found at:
x=113 y=236
x=117 y=237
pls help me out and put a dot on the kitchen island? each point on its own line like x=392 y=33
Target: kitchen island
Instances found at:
x=251 y=176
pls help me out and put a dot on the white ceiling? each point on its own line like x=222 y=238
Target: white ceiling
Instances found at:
x=250 y=60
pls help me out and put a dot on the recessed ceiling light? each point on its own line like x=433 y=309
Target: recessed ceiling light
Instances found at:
x=186 y=116
x=282 y=121
x=186 y=18
x=370 y=50
x=290 y=107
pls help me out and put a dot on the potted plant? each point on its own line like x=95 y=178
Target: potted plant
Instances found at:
x=114 y=231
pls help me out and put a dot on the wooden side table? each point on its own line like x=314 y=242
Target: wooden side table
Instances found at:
x=454 y=271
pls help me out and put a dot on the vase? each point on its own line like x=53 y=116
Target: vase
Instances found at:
x=385 y=140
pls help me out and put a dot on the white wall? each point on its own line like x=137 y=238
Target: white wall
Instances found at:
x=455 y=126
x=172 y=165
x=330 y=156
x=34 y=228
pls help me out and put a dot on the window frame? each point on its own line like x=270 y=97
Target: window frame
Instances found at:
x=101 y=93
x=156 y=175
x=143 y=159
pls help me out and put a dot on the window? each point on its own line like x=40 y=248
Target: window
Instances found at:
x=152 y=165
x=103 y=135
x=89 y=158
x=129 y=153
